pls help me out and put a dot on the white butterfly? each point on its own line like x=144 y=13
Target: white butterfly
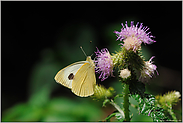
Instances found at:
x=79 y=77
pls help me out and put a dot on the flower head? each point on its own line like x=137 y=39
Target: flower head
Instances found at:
x=148 y=71
x=133 y=36
x=168 y=99
x=132 y=43
x=104 y=64
x=125 y=73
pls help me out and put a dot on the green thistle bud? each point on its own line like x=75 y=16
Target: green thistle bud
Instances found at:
x=101 y=93
x=124 y=58
x=168 y=99
x=118 y=59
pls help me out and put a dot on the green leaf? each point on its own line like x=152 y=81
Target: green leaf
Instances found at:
x=141 y=118
x=119 y=117
x=147 y=107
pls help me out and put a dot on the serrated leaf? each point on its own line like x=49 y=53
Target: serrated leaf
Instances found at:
x=147 y=107
x=119 y=117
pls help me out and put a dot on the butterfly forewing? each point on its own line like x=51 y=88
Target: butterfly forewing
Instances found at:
x=67 y=74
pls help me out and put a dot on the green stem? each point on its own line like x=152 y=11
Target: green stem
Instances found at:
x=109 y=117
x=172 y=114
x=126 y=103
x=118 y=108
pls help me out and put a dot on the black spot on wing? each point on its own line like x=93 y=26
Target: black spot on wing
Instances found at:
x=71 y=76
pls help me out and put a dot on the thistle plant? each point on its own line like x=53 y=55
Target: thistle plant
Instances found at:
x=133 y=73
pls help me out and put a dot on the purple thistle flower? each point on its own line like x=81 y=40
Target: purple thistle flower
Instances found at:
x=104 y=64
x=148 y=71
x=132 y=43
x=134 y=31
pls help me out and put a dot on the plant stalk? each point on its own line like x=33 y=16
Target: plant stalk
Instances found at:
x=172 y=114
x=126 y=103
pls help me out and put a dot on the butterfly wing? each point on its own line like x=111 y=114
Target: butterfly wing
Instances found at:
x=84 y=80
x=67 y=74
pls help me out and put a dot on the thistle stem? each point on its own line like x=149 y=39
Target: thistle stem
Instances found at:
x=126 y=103
x=172 y=114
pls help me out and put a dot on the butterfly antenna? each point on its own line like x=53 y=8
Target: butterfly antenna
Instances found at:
x=83 y=51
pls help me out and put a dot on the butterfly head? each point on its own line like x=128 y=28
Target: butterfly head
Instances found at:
x=90 y=60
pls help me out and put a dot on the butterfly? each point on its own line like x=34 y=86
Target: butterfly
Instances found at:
x=79 y=77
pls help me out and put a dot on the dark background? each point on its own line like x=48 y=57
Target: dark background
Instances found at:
x=27 y=28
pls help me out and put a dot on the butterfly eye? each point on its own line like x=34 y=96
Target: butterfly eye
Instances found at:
x=71 y=76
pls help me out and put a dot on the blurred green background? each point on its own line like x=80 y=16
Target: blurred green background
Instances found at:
x=40 y=38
